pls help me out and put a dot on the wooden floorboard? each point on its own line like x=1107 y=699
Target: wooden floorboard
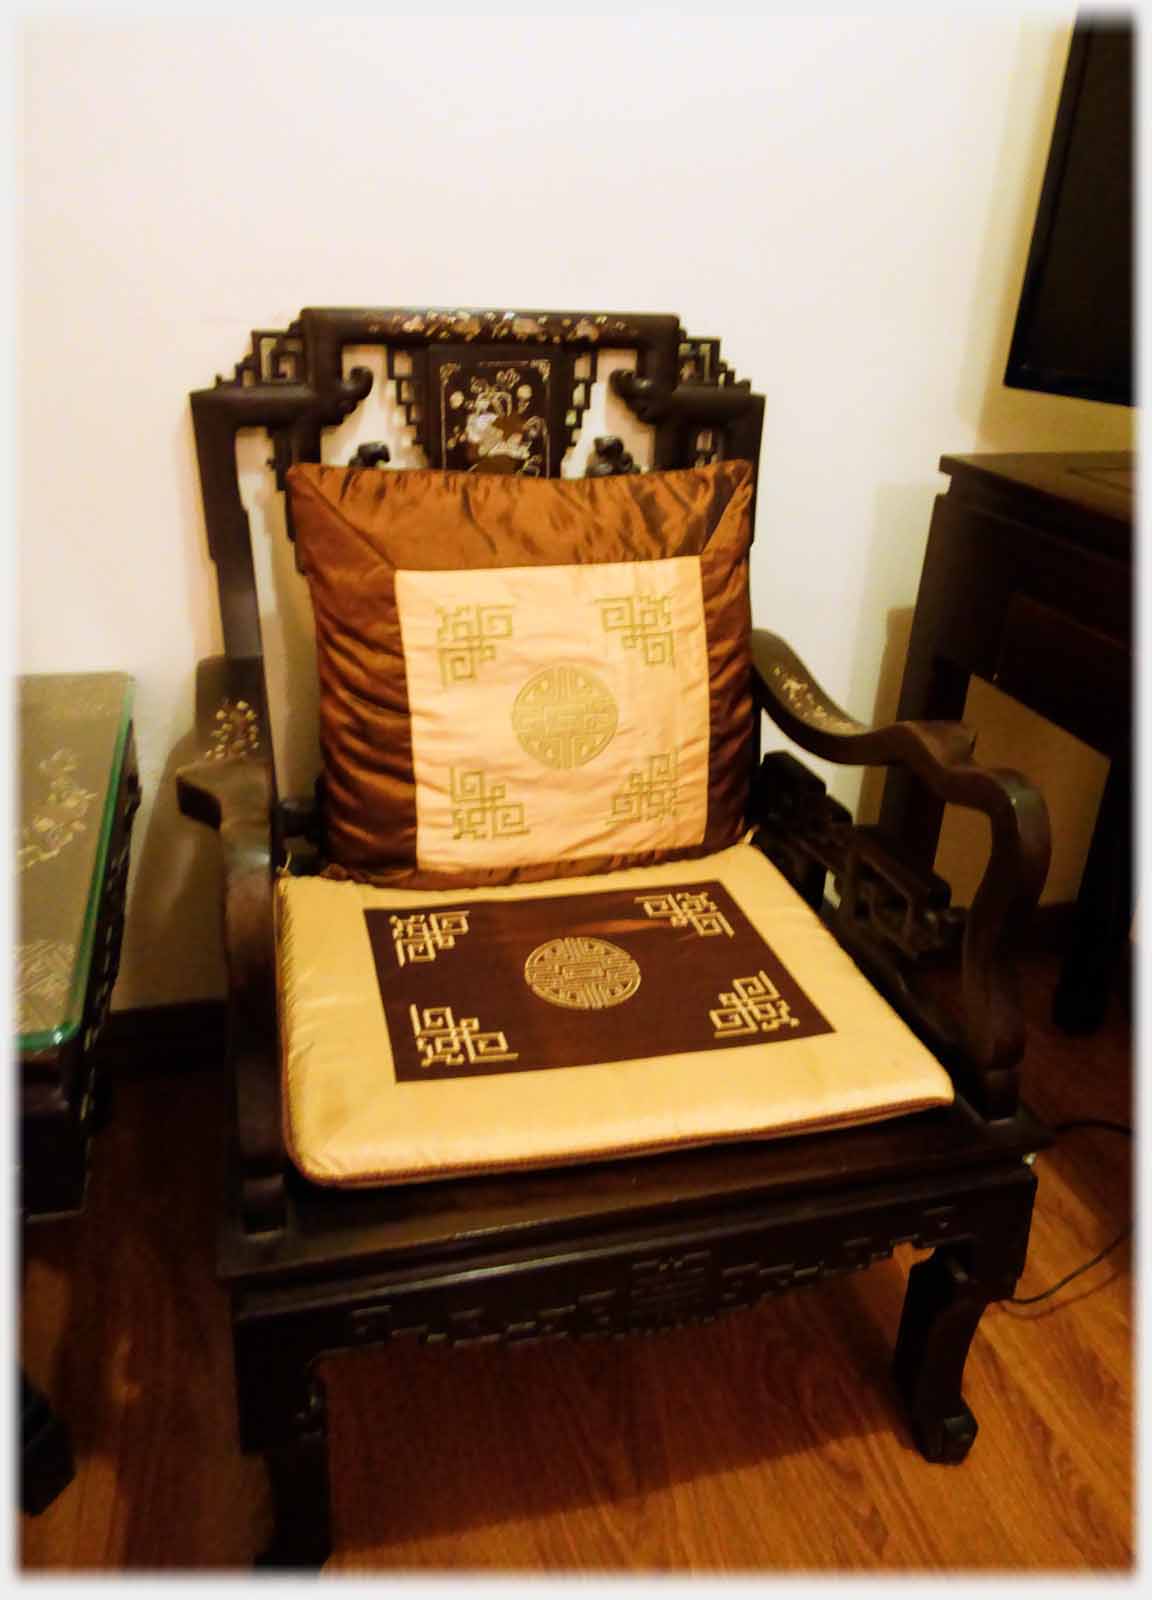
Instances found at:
x=767 y=1442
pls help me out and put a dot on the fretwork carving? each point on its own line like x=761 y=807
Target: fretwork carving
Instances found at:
x=106 y=957
x=408 y=372
x=701 y=362
x=275 y=357
x=808 y=835
x=582 y=379
x=651 y=1291
x=907 y=907
x=293 y=383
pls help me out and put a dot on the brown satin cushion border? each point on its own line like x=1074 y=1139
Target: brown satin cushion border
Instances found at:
x=354 y=528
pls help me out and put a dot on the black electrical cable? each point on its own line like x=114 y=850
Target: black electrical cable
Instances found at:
x=1067 y=1127
x=1092 y=1122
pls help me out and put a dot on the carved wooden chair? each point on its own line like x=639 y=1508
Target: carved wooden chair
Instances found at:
x=792 y=1114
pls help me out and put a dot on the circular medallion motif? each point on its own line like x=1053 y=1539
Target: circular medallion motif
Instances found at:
x=582 y=974
x=564 y=715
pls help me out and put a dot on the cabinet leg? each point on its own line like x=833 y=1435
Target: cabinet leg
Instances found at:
x=1103 y=911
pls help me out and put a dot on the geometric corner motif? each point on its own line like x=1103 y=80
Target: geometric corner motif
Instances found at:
x=44 y=970
x=650 y=793
x=480 y=809
x=423 y=935
x=643 y=621
x=682 y=908
x=752 y=1005
x=465 y=636
x=442 y=1041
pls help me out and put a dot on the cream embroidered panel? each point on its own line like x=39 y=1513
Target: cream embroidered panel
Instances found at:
x=556 y=710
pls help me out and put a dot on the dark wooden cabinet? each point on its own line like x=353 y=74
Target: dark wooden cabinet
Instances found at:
x=1027 y=582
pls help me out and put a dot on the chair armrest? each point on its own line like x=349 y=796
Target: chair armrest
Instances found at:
x=231 y=788
x=788 y=692
x=938 y=753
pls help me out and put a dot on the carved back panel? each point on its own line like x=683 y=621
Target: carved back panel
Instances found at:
x=476 y=391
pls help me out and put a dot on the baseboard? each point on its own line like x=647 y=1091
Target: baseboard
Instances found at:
x=190 y=1033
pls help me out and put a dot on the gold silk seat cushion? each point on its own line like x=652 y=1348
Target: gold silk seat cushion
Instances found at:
x=436 y=1034
x=528 y=678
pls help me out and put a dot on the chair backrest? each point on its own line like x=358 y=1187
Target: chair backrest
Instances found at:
x=477 y=390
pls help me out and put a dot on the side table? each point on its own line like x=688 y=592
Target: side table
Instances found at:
x=79 y=791
x=1027 y=582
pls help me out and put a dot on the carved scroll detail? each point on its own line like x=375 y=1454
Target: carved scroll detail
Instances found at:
x=609 y=458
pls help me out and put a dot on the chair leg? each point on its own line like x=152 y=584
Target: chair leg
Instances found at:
x=942 y=1308
x=282 y=1416
x=301 y=1498
x=46 y=1464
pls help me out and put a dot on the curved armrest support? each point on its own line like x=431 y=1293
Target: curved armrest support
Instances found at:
x=938 y=753
x=232 y=789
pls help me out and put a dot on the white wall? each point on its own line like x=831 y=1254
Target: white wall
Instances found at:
x=846 y=202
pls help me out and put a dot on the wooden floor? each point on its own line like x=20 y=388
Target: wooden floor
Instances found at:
x=768 y=1442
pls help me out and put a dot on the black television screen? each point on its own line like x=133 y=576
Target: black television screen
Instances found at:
x=1074 y=326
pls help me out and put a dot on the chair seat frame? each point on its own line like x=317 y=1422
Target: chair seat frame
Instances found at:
x=644 y=1244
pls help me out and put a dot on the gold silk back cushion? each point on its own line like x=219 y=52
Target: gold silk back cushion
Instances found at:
x=528 y=678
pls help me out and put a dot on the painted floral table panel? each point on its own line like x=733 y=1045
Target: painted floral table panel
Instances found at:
x=72 y=731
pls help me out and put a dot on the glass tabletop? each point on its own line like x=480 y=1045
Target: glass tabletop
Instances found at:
x=72 y=731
